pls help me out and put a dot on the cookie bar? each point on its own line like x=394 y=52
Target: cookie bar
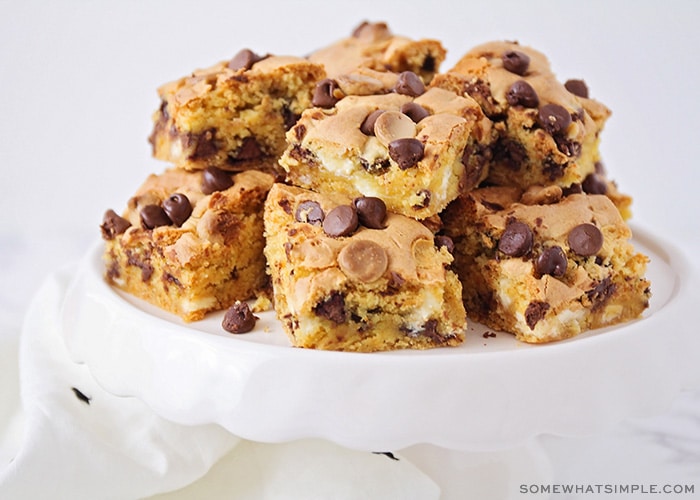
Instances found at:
x=548 y=131
x=542 y=266
x=348 y=275
x=374 y=46
x=599 y=182
x=411 y=148
x=233 y=113
x=190 y=242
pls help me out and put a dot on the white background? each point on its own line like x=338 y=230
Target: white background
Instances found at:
x=78 y=86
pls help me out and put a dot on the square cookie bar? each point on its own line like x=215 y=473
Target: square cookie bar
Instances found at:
x=548 y=131
x=233 y=113
x=348 y=275
x=190 y=242
x=412 y=149
x=374 y=46
x=542 y=266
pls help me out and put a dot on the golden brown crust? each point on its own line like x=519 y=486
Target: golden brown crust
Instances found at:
x=223 y=117
x=373 y=46
x=213 y=259
x=329 y=152
x=558 y=286
x=374 y=289
x=526 y=152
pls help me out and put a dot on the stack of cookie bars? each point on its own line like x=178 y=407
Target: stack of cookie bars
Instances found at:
x=377 y=203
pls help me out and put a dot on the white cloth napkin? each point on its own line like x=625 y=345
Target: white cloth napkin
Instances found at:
x=75 y=441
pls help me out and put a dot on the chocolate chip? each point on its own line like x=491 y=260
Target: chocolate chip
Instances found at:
x=367 y=126
x=594 y=184
x=249 y=150
x=577 y=87
x=406 y=152
x=324 y=93
x=178 y=208
x=585 y=239
x=554 y=118
x=414 y=111
x=341 y=221
x=238 y=318
x=332 y=308
x=153 y=216
x=521 y=93
x=244 y=60
x=204 y=144
x=516 y=240
x=429 y=64
x=310 y=212
x=601 y=292
x=573 y=189
x=570 y=148
x=534 y=312
x=516 y=62
x=551 y=261
x=378 y=167
x=142 y=261
x=409 y=84
x=442 y=240
x=475 y=159
x=214 y=179
x=371 y=211
x=509 y=152
x=425 y=196
x=552 y=169
x=113 y=224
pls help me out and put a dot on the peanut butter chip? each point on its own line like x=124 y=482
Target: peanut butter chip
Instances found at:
x=363 y=260
x=392 y=125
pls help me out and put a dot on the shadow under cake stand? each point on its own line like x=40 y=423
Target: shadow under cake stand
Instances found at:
x=469 y=416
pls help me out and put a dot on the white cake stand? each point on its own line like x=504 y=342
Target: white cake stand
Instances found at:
x=487 y=400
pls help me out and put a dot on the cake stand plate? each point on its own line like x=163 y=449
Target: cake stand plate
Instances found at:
x=491 y=393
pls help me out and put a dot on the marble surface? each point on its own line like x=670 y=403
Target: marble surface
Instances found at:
x=78 y=87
